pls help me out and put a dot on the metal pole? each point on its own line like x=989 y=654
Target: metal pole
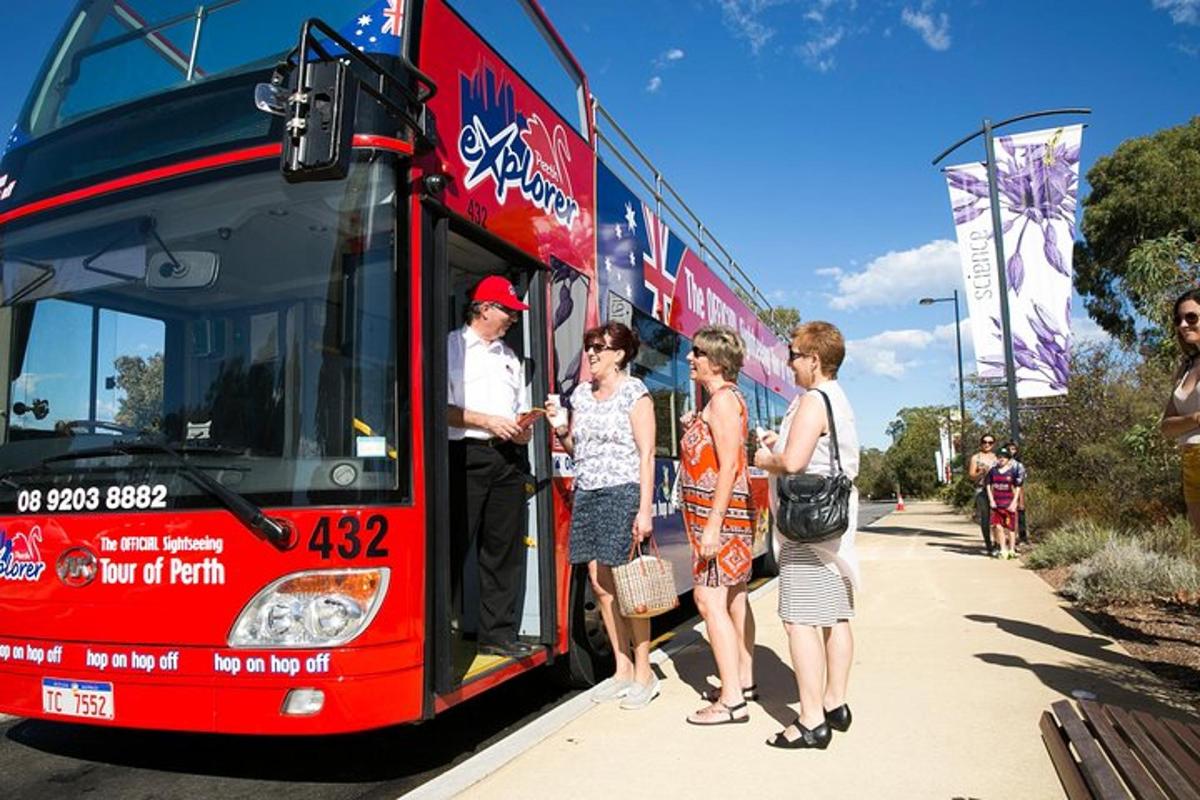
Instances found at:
x=1010 y=364
x=962 y=401
x=191 y=67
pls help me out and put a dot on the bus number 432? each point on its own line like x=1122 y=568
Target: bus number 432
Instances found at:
x=349 y=537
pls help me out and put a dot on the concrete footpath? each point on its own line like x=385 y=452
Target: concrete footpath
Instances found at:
x=957 y=656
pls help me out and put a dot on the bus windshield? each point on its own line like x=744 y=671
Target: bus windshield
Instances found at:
x=245 y=318
x=115 y=51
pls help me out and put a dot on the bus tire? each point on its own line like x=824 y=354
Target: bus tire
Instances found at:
x=768 y=565
x=589 y=657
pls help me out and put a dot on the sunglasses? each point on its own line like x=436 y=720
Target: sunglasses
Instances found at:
x=511 y=312
x=794 y=354
x=597 y=347
x=989 y=441
x=698 y=353
x=1190 y=319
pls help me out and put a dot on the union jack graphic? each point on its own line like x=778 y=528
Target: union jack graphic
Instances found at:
x=395 y=18
x=659 y=278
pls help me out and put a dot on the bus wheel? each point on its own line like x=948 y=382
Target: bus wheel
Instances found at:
x=589 y=658
x=768 y=565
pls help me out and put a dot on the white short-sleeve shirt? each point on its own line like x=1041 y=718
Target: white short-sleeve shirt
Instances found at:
x=485 y=377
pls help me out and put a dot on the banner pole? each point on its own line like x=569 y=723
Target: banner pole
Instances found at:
x=962 y=394
x=1010 y=364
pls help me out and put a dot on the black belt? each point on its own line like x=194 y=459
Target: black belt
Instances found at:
x=495 y=442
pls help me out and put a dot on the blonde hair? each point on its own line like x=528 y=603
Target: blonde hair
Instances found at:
x=824 y=339
x=724 y=349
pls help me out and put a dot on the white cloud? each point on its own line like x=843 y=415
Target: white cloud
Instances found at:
x=935 y=32
x=742 y=17
x=668 y=58
x=654 y=85
x=818 y=52
x=1084 y=330
x=885 y=353
x=900 y=277
x=829 y=272
x=1182 y=11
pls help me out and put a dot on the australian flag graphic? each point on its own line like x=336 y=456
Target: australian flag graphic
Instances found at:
x=638 y=256
x=377 y=28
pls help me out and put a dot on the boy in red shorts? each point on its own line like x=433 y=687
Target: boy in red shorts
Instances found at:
x=1003 y=484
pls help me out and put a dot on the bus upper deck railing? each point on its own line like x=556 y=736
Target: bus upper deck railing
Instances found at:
x=710 y=249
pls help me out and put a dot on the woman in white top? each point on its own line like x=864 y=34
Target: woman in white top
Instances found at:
x=1181 y=420
x=817 y=582
x=611 y=441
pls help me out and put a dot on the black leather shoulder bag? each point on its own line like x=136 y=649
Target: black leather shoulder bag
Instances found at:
x=815 y=508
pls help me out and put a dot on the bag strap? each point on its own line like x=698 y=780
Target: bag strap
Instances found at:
x=837 y=455
x=635 y=548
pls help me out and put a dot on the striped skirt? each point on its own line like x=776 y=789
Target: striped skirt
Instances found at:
x=810 y=593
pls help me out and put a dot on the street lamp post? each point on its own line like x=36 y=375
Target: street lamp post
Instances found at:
x=1010 y=364
x=962 y=402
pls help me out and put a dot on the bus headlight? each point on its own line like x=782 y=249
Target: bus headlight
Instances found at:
x=321 y=608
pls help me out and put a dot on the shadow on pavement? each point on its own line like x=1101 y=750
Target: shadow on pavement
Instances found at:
x=1112 y=677
x=892 y=530
x=775 y=680
x=961 y=549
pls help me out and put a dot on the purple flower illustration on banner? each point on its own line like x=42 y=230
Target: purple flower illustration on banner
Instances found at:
x=1047 y=356
x=1037 y=185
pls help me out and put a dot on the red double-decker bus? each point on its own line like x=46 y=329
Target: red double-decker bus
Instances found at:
x=233 y=238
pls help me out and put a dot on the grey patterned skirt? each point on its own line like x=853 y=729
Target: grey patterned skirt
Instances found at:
x=809 y=592
x=602 y=523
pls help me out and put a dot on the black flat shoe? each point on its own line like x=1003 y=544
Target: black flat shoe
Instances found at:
x=839 y=718
x=506 y=649
x=817 y=737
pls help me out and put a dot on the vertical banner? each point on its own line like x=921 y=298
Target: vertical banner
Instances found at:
x=1037 y=175
x=945 y=450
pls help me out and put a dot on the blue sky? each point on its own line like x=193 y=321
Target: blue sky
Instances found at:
x=802 y=132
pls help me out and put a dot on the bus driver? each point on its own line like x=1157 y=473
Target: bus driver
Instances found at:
x=488 y=464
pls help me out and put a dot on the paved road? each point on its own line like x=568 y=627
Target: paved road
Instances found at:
x=871 y=510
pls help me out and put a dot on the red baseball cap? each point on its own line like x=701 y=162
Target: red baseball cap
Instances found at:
x=498 y=289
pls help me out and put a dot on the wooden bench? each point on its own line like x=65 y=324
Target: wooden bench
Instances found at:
x=1111 y=752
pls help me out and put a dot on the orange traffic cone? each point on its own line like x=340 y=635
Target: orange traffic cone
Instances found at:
x=899 y=501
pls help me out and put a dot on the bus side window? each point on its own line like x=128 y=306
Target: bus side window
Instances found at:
x=655 y=366
x=568 y=304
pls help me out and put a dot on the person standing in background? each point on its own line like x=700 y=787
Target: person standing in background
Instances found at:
x=1181 y=420
x=977 y=470
x=1022 y=475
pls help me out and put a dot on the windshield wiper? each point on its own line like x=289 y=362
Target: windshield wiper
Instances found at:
x=250 y=515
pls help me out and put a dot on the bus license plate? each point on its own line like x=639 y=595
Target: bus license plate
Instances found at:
x=85 y=699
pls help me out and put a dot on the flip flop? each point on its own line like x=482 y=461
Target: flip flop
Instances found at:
x=720 y=714
x=714 y=694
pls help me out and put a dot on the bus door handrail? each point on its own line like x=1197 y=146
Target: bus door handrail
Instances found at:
x=692 y=224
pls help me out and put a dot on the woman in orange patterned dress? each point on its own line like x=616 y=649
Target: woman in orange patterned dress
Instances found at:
x=719 y=518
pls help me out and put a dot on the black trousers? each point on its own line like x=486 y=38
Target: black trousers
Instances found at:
x=985 y=518
x=487 y=511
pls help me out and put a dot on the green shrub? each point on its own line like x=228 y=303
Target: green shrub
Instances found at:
x=1071 y=543
x=1173 y=538
x=960 y=493
x=1125 y=571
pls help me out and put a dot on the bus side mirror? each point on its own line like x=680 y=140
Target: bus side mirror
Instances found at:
x=317 y=140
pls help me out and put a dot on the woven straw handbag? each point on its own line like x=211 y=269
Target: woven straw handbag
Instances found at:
x=645 y=585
